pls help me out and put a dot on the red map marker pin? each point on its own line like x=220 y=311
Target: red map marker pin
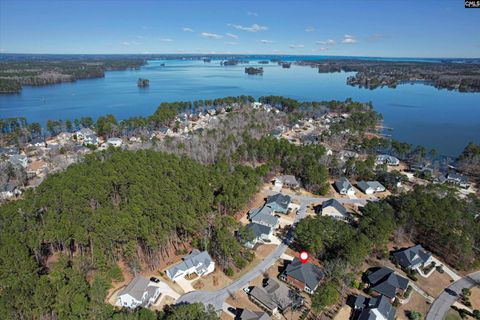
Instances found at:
x=304 y=256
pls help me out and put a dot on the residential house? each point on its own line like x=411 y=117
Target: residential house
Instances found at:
x=19 y=160
x=90 y=139
x=304 y=276
x=288 y=181
x=140 y=292
x=273 y=297
x=246 y=314
x=376 y=308
x=165 y=130
x=370 y=187
x=37 y=143
x=264 y=216
x=344 y=187
x=9 y=190
x=198 y=262
x=278 y=203
x=115 y=142
x=346 y=154
x=387 y=159
x=413 y=257
x=83 y=133
x=386 y=282
x=261 y=234
x=333 y=208
x=9 y=151
x=457 y=179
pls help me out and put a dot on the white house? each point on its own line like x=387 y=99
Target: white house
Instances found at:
x=333 y=208
x=19 y=159
x=84 y=132
x=344 y=187
x=389 y=160
x=261 y=234
x=370 y=187
x=115 y=142
x=198 y=262
x=9 y=190
x=140 y=292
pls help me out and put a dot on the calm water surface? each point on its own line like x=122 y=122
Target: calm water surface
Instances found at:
x=420 y=114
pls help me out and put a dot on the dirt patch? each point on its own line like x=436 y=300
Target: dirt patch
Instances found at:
x=416 y=303
x=343 y=313
x=475 y=298
x=165 y=301
x=260 y=253
x=435 y=284
x=213 y=281
x=240 y=300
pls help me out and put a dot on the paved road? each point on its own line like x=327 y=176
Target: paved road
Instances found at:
x=446 y=299
x=218 y=297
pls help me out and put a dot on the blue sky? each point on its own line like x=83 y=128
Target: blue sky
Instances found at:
x=394 y=28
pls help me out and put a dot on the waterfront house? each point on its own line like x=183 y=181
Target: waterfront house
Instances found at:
x=9 y=151
x=83 y=133
x=273 y=296
x=376 y=308
x=115 y=142
x=9 y=190
x=370 y=187
x=387 y=159
x=261 y=234
x=90 y=139
x=304 y=276
x=344 y=187
x=413 y=257
x=457 y=179
x=385 y=281
x=140 y=292
x=333 y=208
x=278 y=203
x=198 y=262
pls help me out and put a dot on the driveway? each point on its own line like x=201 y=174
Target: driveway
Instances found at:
x=218 y=297
x=185 y=284
x=446 y=299
x=447 y=270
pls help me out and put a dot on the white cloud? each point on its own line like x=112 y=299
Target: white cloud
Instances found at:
x=166 y=40
x=187 y=29
x=253 y=28
x=296 y=46
x=266 y=41
x=129 y=43
x=320 y=49
x=309 y=29
x=328 y=42
x=231 y=43
x=251 y=13
x=349 y=39
x=231 y=35
x=211 y=35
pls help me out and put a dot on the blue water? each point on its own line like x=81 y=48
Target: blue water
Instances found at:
x=420 y=114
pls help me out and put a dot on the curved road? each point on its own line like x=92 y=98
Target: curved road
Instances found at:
x=446 y=299
x=217 y=298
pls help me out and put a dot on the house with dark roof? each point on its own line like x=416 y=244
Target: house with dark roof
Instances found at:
x=304 y=276
x=9 y=190
x=197 y=261
x=387 y=159
x=278 y=203
x=264 y=216
x=273 y=296
x=288 y=181
x=260 y=233
x=385 y=281
x=370 y=187
x=333 y=208
x=413 y=257
x=376 y=308
x=457 y=179
x=140 y=292
x=344 y=186
x=245 y=314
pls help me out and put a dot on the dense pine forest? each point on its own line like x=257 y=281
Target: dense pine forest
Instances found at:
x=114 y=205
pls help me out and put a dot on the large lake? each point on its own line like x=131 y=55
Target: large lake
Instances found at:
x=419 y=114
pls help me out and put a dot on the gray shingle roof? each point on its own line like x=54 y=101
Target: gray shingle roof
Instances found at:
x=343 y=184
x=197 y=259
x=136 y=287
x=278 y=201
x=251 y=315
x=306 y=273
x=258 y=229
x=263 y=216
x=412 y=256
x=385 y=281
x=336 y=204
x=273 y=295
x=379 y=304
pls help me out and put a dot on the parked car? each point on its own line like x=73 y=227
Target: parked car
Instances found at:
x=153 y=279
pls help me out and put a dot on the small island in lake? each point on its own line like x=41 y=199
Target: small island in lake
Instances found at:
x=285 y=65
x=143 y=83
x=263 y=62
x=253 y=70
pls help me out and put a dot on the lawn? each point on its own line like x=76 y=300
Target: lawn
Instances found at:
x=416 y=303
x=452 y=315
